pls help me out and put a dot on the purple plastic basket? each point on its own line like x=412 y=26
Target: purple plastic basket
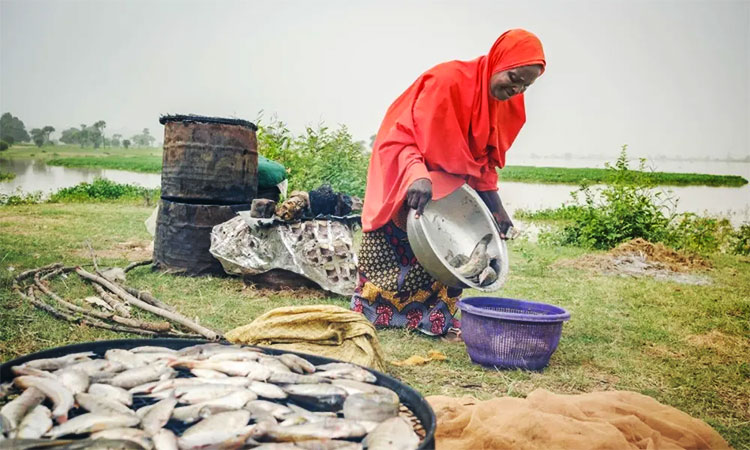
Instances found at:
x=510 y=334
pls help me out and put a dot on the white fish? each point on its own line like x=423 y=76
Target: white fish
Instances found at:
x=164 y=440
x=274 y=364
x=98 y=368
x=152 y=349
x=203 y=392
x=58 y=363
x=277 y=410
x=359 y=387
x=297 y=364
x=112 y=392
x=393 y=434
x=250 y=369
x=294 y=378
x=355 y=373
x=267 y=390
x=91 y=423
x=37 y=422
x=158 y=416
x=75 y=380
x=14 y=411
x=208 y=373
x=101 y=405
x=140 y=375
x=234 y=356
x=62 y=398
x=233 y=401
x=128 y=434
x=221 y=429
x=23 y=370
x=330 y=428
x=143 y=410
x=126 y=358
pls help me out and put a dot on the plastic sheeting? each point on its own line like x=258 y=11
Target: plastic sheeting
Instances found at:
x=320 y=250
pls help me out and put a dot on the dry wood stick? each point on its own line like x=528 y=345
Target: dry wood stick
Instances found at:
x=152 y=326
x=133 y=265
x=93 y=255
x=115 y=303
x=31 y=272
x=57 y=272
x=147 y=297
x=173 y=316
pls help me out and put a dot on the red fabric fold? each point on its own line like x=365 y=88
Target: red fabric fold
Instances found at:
x=448 y=128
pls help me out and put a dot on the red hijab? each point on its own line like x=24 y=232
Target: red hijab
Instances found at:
x=447 y=127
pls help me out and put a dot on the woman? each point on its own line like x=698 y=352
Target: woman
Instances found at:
x=452 y=126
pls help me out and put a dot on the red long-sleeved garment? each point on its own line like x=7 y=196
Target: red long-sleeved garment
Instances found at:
x=448 y=128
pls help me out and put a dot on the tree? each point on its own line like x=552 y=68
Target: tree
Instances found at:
x=12 y=129
x=46 y=132
x=37 y=135
x=71 y=136
x=116 y=140
x=126 y=143
x=97 y=133
x=83 y=136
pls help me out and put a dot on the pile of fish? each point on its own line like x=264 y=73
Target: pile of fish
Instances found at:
x=478 y=267
x=204 y=396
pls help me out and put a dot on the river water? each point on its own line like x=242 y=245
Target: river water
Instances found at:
x=734 y=203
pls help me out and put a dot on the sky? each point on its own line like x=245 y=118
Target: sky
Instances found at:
x=668 y=78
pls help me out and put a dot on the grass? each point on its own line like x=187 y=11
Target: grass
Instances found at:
x=575 y=176
x=133 y=159
x=686 y=346
x=6 y=176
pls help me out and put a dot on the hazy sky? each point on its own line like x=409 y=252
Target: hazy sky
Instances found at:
x=665 y=77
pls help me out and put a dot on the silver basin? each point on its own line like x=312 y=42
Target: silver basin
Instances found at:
x=455 y=223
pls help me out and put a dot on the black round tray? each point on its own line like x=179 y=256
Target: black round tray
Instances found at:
x=408 y=396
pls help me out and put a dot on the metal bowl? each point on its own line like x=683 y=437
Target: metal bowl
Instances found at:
x=455 y=223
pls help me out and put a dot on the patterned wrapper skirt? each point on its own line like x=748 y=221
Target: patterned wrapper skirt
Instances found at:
x=395 y=291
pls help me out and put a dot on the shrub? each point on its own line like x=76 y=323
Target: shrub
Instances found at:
x=102 y=189
x=317 y=156
x=4 y=146
x=20 y=198
x=740 y=240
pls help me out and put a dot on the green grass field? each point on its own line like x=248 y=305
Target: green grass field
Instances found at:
x=686 y=346
x=575 y=176
x=149 y=160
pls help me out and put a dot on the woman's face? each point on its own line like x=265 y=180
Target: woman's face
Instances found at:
x=506 y=84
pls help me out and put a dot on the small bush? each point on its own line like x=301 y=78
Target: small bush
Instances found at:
x=102 y=189
x=21 y=198
x=4 y=146
x=740 y=240
x=316 y=157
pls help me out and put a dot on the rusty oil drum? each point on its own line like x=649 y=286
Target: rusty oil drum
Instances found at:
x=183 y=236
x=209 y=160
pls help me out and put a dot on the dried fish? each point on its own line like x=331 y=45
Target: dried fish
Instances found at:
x=58 y=363
x=14 y=411
x=158 y=416
x=90 y=423
x=129 y=434
x=164 y=440
x=37 y=422
x=112 y=392
x=61 y=397
x=222 y=429
x=393 y=434
x=101 y=405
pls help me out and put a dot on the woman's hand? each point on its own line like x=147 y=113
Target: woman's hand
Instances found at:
x=502 y=219
x=419 y=194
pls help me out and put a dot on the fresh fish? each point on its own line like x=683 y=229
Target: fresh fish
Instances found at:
x=129 y=434
x=393 y=434
x=14 y=411
x=134 y=377
x=219 y=430
x=152 y=349
x=23 y=370
x=319 y=397
x=251 y=369
x=37 y=422
x=330 y=428
x=238 y=355
x=297 y=364
x=274 y=364
x=372 y=406
x=164 y=440
x=203 y=392
x=487 y=277
x=233 y=401
x=267 y=390
x=478 y=260
x=456 y=260
x=355 y=373
x=101 y=405
x=58 y=363
x=90 y=423
x=61 y=397
x=256 y=407
x=127 y=358
x=75 y=380
x=358 y=387
x=294 y=378
x=112 y=392
x=208 y=373
x=158 y=416
x=98 y=369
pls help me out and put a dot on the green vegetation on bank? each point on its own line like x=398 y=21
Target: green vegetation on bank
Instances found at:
x=97 y=191
x=6 y=176
x=684 y=345
x=569 y=175
x=146 y=163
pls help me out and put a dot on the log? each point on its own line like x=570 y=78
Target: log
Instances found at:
x=151 y=326
x=173 y=316
x=133 y=265
x=32 y=272
x=120 y=307
x=56 y=272
x=147 y=297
